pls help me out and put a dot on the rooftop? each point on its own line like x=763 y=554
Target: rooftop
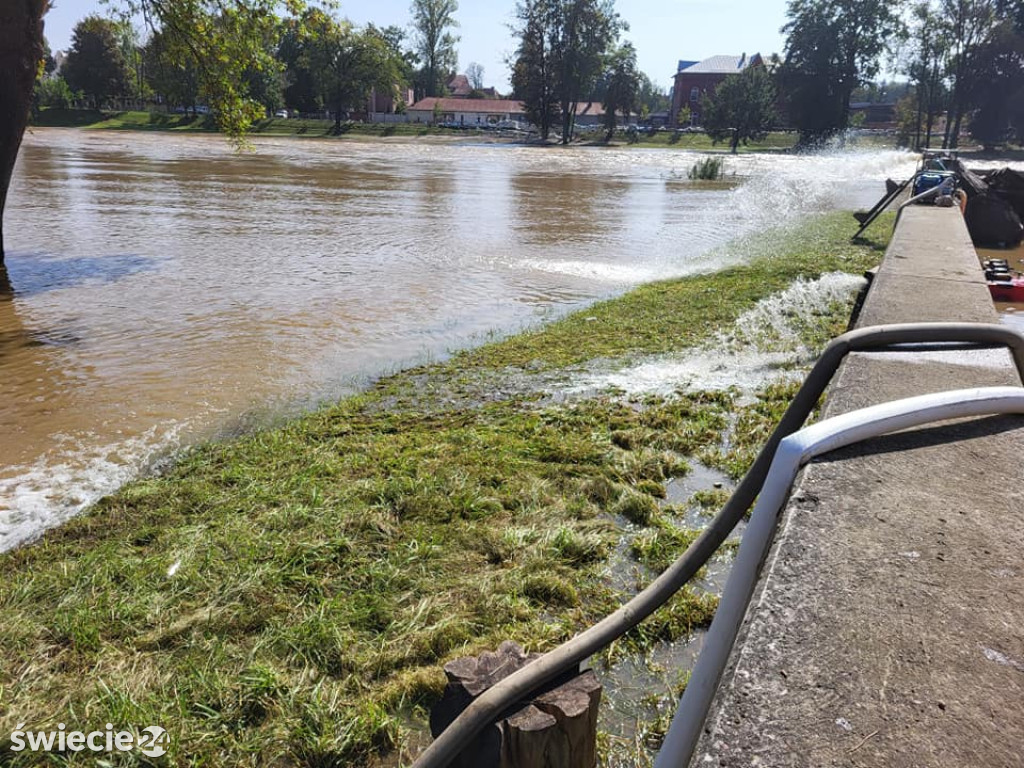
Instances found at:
x=486 y=106
x=720 y=65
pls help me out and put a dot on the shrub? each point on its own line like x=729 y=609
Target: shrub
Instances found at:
x=707 y=169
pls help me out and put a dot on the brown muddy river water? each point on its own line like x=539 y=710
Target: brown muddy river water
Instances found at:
x=165 y=290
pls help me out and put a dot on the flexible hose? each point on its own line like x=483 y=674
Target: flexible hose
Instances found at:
x=795 y=451
x=520 y=685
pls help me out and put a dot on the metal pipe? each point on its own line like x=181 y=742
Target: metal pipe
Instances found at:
x=795 y=451
x=523 y=683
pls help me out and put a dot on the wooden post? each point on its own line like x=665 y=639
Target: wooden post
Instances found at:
x=556 y=729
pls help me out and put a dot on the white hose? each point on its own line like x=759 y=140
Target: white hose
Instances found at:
x=795 y=451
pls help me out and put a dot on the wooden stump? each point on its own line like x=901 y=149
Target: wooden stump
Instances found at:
x=556 y=729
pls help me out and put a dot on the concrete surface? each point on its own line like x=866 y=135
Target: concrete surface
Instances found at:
x=888 y=627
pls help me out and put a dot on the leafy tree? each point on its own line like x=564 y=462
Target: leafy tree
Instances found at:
x=832 y=46
x=96 y=64
x=434 y=41
x=132 y=51
x=172 y=71
x=742 y=108
x=581 y=33
x=967 y=25
x=925 y=66
x=54 y=92
x=533 y=68
x=622 y=93
x=997 y=74
x=49 y=63
x=346 y=64
x=475 y=75
x=652 y=99
x=300 y=88
x=264 y=78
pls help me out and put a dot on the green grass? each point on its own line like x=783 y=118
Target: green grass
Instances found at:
x=707 y=169
x=289 y=597
x=156 y=121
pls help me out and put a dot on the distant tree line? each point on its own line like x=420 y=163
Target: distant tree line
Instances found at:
x=963 y=58
x=309 y=61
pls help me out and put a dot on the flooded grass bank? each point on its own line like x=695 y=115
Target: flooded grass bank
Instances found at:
x=290 y=596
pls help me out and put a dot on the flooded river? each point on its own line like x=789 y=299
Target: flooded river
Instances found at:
x=164 y=290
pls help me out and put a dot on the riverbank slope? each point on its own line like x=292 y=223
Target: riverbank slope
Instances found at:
x=292 y=594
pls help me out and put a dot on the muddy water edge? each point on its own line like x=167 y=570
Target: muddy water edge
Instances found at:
x=291 y=595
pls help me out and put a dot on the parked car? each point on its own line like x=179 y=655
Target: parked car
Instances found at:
x=281 y=113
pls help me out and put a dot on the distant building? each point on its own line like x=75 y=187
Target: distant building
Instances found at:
x=467 y=112
x=386 y=103
x=695 y=80
x=459 y=87
x=480 y=112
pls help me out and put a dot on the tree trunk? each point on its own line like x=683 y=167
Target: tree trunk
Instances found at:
x=21 y=50
x=735 y=141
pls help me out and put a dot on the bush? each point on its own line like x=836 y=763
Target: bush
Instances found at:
x=55 y=92
x=708 y=169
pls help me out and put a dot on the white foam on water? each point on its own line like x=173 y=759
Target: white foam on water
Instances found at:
x=763 y=345
x=65 y=481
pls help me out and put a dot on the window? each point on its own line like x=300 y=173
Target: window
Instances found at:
x=695 y=94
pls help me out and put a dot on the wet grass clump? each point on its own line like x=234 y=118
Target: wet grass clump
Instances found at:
x=707 y=169
x=289 y=597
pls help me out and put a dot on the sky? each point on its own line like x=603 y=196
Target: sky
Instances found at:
x=663 y=31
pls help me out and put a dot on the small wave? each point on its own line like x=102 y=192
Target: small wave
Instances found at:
x=64 y=482
x=764 y=344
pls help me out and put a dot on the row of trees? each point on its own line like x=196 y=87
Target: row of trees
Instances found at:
x=965 y=58
x=309 y=61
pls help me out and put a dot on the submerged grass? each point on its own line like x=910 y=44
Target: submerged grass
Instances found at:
x=289 y=597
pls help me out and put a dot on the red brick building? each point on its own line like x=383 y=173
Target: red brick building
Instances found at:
x=694 y=80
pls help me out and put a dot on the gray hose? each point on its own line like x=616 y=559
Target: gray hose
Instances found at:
x=520 y=685
x=795 y=451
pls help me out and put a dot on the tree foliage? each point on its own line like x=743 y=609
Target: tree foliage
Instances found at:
x=343 y=64
x=533 y=68
x=563 y=46
x=967 y=25
x=434 y=42
x=832 y=46
x=581 y=34
x=623 y=90
x=475 y=75
x=228 y=44
x=172 y=71
x=925 y=64
x=996 y=87
x=742 y=108
x=96 y=64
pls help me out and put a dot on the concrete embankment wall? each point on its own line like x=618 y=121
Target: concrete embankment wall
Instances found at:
x=888 y=626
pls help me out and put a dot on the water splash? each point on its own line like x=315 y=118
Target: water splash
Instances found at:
x=766 y=343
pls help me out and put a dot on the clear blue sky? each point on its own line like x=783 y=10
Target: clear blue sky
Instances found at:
x=663 y=31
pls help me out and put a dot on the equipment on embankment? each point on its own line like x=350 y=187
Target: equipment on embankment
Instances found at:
x=995 y=199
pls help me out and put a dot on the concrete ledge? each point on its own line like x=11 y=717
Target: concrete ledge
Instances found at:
x=888 y=627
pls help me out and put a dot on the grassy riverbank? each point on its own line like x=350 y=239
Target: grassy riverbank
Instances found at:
x=289 y=597
x=156 y=121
